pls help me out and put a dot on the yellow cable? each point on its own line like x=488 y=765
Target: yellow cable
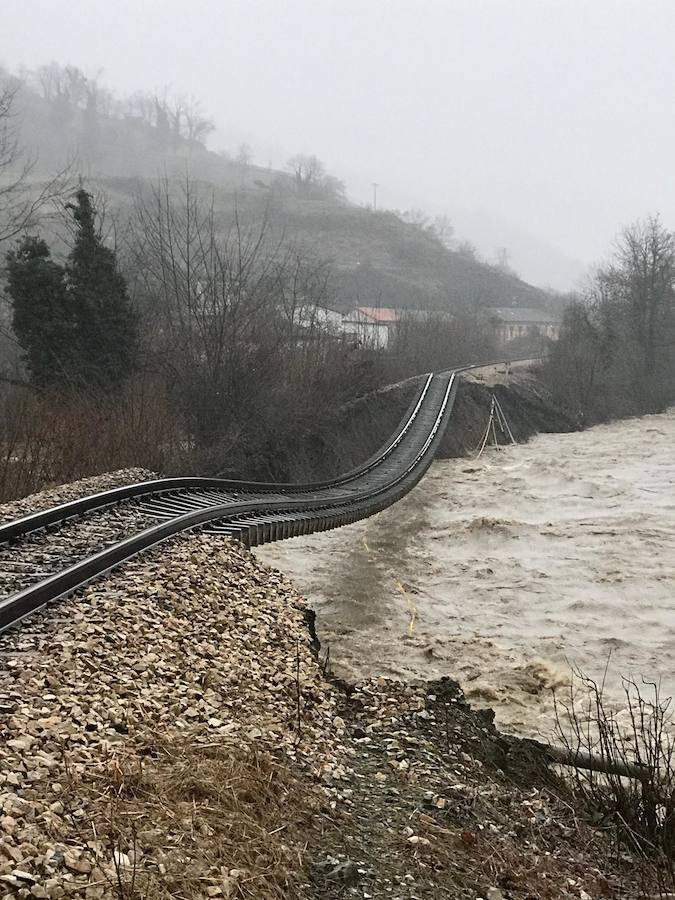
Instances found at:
x=411 y=607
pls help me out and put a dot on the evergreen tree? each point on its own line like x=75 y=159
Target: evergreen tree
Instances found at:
x=107 y=341
x=40 y=312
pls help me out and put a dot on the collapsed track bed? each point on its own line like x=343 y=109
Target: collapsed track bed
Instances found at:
x=49 y=553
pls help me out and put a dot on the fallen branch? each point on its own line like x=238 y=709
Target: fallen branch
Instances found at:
x=567 y=757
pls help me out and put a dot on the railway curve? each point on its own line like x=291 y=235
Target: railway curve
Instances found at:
x=48 y=554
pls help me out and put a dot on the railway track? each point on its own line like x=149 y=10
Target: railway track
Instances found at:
x=50 y=553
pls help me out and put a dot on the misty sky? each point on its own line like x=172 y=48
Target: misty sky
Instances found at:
x=524 y=120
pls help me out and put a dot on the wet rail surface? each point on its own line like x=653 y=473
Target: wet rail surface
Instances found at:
x=50 y=553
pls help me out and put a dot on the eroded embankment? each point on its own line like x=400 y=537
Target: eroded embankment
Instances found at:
x=528 y=406
x=507 y=570
x=169 y=732
x=355 y=431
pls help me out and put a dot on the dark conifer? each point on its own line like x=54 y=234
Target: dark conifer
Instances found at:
x=106 y=324
x=41 y=318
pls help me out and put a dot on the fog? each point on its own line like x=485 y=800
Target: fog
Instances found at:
x=537 y=125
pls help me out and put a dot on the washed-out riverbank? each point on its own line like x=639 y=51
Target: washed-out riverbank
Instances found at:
x=506 y=570
x=169 y=732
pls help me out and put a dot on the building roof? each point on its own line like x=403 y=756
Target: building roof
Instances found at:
x=523 y=315
x=383 y=315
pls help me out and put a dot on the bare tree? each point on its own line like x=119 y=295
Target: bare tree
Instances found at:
x=614 y=356
x=416 y=217
x=308 y=171
x=213 y=290
x=143 y=106
x=443 y=229
x=49 y=80
x=640 y=286
x=468 y=251
x=244 y=155
x=197 y=126
x=21 y=201
x=301 y=283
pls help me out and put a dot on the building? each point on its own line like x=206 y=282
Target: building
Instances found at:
x=512 y=322
x=319 y=317
x=371 y=326
x=310 y=321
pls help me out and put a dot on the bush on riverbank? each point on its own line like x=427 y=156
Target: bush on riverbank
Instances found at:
x=615 y=353
x=630 y=785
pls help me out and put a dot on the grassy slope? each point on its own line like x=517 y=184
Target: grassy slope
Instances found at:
x=378 y=259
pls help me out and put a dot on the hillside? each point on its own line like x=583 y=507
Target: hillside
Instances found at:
x=120 y=146
x=378 y=259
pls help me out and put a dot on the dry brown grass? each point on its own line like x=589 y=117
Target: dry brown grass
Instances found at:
x=194 y=819
x=48 y=439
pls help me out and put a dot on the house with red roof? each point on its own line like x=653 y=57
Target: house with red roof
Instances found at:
x=371 y=326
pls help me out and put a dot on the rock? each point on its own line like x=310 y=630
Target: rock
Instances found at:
x=8 y=824
x=77 y=864
x=54 y=888
x=346 y=873
x=418 y=841
x=23 y=744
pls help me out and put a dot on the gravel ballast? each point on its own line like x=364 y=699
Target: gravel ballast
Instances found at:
x=169 y=732
x=62 y=493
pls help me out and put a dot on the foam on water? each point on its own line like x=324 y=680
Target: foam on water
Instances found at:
x=506 y=570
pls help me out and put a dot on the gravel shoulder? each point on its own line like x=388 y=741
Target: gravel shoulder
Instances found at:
x=170 y=732
x=62 y=493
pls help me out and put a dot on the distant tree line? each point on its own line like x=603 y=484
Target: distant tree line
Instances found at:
x=80 y=106
x=615 y=354
x=67 y=90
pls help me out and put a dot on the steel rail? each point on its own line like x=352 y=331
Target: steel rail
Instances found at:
x=278 y=511
x=306 y=515
x=58 y=514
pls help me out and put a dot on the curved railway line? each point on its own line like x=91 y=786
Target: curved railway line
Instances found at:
x=52 y=552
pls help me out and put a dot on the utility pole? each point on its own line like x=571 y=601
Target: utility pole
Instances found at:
x=375 y=187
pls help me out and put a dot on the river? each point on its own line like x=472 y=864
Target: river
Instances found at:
x=507 y=570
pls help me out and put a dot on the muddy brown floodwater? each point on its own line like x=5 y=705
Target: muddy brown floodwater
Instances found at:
x=504 y=571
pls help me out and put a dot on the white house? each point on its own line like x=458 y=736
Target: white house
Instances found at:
x=511 y=322
x=370 y=326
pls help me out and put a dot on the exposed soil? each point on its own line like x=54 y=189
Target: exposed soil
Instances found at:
x=357 y=430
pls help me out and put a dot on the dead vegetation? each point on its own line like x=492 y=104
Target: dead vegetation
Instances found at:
x=629 y=785
x=187 y=820
x=47 y=440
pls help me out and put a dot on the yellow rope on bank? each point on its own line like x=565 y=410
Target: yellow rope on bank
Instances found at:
x=411 y=606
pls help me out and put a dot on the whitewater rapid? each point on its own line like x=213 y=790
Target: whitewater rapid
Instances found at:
x=505 y=571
